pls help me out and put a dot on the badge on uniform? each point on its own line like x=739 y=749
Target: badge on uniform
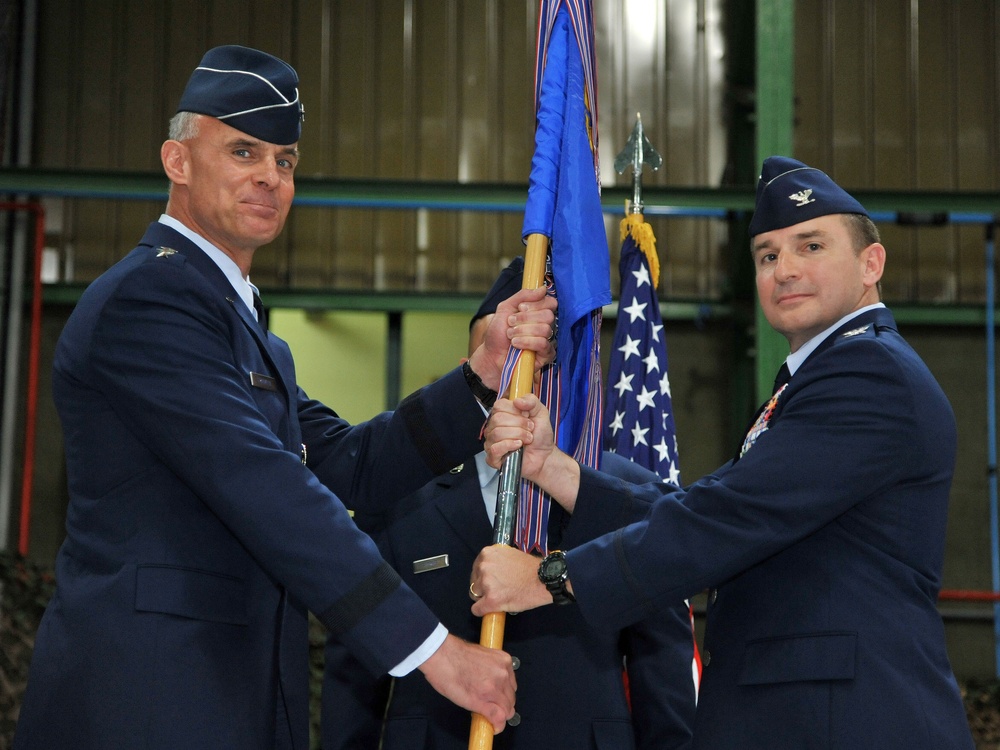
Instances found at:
x=164 y=252
x=761 y=423
x=430 y=563
x=855 y=331
x=264 y=382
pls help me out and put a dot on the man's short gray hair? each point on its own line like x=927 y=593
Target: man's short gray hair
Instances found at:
x=183 y=126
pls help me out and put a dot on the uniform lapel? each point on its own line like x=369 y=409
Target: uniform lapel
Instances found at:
x=161 y=235
x=456 y=501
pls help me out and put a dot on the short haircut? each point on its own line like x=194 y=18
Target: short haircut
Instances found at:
x=183 y=126
x=862 y=230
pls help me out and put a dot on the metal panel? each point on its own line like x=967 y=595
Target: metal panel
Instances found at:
x=902 y=95
x=892 y=94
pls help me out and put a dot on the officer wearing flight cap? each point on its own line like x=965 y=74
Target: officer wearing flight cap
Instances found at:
x=443 y=525
x=821 y=542
x=204 y=517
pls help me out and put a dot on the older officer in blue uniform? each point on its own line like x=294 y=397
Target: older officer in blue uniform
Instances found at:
x=203 y=521
x=570 y=688
x=822 y=542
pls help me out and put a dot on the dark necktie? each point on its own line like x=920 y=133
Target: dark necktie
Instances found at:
x=259 y=307
x=781 y=378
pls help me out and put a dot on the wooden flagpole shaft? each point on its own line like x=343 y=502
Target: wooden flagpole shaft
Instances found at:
x=521 y=383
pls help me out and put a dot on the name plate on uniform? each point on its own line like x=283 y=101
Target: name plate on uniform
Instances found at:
x=265 y=382
x=430 y=563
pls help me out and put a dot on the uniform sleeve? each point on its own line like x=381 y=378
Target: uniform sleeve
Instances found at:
x=600 y=513
x=841 y=436
x=370 y=466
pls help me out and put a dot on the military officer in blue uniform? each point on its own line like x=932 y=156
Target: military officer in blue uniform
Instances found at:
x=205 y=516
x=821 y=542
x=571 y=692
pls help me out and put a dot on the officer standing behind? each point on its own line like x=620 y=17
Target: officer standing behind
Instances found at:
x=202 y=522
x=570 y=688
x=823 y=539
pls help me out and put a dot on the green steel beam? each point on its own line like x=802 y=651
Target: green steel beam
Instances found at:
x=366 y=301
x=453 y=196
x=363 y=301
x=394 y=194
x=775 y=119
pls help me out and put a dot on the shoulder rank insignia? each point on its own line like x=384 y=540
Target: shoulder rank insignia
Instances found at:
x=165 y=252
x=855 y=331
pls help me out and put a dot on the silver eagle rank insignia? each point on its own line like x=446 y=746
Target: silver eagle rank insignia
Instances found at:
x=802 y=197
x=855 y=331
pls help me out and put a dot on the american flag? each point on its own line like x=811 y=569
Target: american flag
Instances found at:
x=639 y=419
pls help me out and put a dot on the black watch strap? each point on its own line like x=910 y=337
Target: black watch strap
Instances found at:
x=552 y=572
x=487 y=396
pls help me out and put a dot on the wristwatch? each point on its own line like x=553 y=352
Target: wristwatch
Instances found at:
x=553 y=573
x=486 y=395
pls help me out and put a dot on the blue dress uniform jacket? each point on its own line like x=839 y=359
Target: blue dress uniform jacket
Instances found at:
x=196 y=538
x=570 y=687
x=823 y=547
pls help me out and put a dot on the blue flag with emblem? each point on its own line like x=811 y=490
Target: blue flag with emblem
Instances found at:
x=564 y=205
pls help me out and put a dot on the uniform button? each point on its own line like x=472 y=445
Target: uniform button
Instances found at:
x=713 y=594
x=706 y=658
x=515 y=663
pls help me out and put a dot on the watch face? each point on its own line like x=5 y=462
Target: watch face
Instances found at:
x=554 y=568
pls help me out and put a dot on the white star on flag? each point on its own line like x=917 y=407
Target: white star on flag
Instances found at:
x=665 y=385
x=635 y=310
x=624 y=384
x=662 y=450
x=652 y=361
x=616 y=423
x=641 y=277
x=646 y=398
x=630 y=347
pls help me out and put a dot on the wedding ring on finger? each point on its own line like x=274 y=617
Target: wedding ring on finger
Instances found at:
x=472 y=591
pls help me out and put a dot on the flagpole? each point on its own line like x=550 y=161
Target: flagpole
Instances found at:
x=563 y=212
x=522 y=380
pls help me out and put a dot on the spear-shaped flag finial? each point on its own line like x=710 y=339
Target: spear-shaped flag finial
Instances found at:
x=638 y=151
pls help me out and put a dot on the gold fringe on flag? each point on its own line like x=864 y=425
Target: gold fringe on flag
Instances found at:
x=642 y=235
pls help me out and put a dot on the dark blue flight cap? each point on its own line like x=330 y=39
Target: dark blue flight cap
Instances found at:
x=249 y=90
x=508 y=284
x=789 y=192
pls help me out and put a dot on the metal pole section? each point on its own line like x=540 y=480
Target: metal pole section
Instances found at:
x=507 y=494
x=991 y=431
x=393 y=359
x=775 y=104
x=19 y=251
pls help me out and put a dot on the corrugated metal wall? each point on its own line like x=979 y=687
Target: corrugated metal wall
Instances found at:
x=437 y=91
x=895 y=94
x=903 y=95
